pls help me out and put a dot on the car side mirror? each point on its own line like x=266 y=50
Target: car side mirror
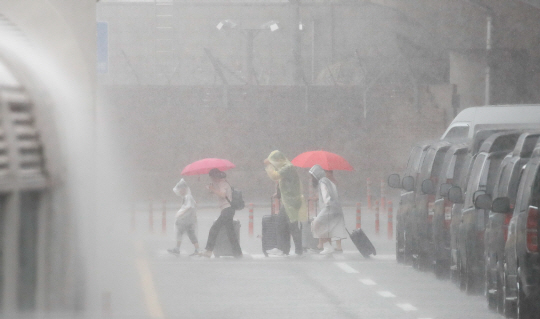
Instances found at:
x=501 y=205
x=455 y=195
x=428 y=187
x=443 y=190
x=483 y=201
x=408 y=183
x=394 y=181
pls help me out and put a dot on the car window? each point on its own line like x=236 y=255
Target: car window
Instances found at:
x=474 y=179
x=415 y=154
x=535 y=190
x=525 y=188
x=503 y=180
x=494 y=163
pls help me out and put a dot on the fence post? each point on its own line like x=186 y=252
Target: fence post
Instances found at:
x=369 y=194
x=151 y=217
x=390 y=220
x=164 y=218
x=250 y=220
x=377 y=222
x=358 y=215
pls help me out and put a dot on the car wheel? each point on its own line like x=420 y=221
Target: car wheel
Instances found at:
x=441 y=269
x=490 y=290
x=509 y=306
x=499 y=295
x=523 y=310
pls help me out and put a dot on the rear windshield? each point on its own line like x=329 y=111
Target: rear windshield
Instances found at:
x=457 y=132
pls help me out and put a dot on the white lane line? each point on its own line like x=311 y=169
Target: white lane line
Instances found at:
x=386 y=294
x=406 y=306
x=367 y=282
x=346 y=268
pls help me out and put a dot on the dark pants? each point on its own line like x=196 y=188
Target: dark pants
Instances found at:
x=286 y=229
x=224 y=220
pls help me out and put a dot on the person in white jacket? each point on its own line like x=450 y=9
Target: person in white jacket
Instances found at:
x=186 y=218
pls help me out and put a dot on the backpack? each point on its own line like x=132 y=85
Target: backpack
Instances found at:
x=237 y=202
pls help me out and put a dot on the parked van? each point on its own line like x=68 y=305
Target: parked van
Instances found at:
x=506 y=185
x=406 y=203
x=471 y=120
x=521 y=279
x=473 y=220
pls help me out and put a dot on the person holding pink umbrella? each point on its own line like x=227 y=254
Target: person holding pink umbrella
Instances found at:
x=223 y=191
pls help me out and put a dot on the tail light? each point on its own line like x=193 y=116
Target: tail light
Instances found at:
x=532 y=229
x=447 y=216
x=505 y=225
x=431 y=211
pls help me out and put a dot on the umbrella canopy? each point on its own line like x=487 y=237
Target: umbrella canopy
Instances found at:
x=204 y=166
x=328 y=161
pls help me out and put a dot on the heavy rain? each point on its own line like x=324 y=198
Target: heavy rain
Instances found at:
x=269 y=159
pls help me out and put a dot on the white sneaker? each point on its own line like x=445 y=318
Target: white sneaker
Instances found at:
x=274 y=251
x=328 y=249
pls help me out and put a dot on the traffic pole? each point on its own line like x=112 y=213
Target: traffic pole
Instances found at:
x=358 y=215
x=377 y=223
x=369 y=194
x=383 y=196
x=164 y=218
x=151 y=217
x=390 y=220
x=250 y=220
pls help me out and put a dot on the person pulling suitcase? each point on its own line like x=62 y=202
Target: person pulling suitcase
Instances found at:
x=293 y=208
x=223 y=191
x=330 y=222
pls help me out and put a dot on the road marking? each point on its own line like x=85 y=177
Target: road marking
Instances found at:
x=367 y=282
x=406 y=306
x=386 y=294
x=149 y=289
x=346 y=268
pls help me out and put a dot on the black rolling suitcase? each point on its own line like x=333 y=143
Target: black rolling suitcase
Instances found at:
x=308 y=241
x=269 y=233
x=362 y=242
x=223 y=246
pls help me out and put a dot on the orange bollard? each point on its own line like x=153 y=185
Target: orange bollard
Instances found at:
x=164 y=218
x=377 y=223
x=390 y=220
x=358 y=215
x=250 y=220
x=151 y=217
x=369 y=194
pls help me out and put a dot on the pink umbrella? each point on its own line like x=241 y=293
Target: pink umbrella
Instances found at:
x=204 y=166
x=328 y=161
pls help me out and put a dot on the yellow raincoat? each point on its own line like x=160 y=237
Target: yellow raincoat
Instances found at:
x=281 y=170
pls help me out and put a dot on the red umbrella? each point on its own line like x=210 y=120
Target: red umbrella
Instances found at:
x=328 y=161
x=204 y=166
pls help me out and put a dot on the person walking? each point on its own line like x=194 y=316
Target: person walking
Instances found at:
x=330 y=222
x=186 y=218
x=223 y=191
x=293 y=209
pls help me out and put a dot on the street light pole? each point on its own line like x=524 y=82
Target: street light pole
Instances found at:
x=250 y=72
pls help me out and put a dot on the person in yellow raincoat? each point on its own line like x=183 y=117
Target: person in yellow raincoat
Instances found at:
x=293 y=208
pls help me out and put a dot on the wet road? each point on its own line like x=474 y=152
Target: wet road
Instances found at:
x=156 y=284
